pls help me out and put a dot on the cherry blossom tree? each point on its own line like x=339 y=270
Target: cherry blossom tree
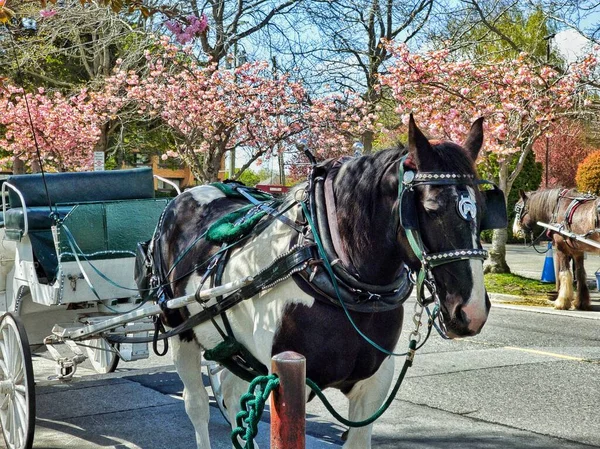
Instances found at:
x=66 y=129
x=211 y=111
x=332 y=124
x=519 y=101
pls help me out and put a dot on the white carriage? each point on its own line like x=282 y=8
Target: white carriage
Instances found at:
x=67 y=256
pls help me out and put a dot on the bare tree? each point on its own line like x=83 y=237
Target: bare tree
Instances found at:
x=337 y=43
x=74 y=45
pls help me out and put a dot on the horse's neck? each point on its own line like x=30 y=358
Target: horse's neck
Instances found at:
x=367 y=230
x=546 y=208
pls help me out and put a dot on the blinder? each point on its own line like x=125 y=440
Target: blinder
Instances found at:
x=408 y=210
x=494 y=217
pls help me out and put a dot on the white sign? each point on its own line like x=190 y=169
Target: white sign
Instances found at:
x=98 y=160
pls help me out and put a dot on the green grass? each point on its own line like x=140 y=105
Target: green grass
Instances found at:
x=530 y=291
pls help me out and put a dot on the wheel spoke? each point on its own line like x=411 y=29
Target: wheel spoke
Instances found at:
x=4 y=404
x=3 y=349
x=13 y=424
x=17 y=359
x=10 y=346
x=19 y=374
x=18 y=428
x=21 y=406
x=3 y=370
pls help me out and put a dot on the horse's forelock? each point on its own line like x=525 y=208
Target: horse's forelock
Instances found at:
x=450 y=157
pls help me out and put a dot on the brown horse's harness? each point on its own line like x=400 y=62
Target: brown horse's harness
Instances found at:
x=573 y=206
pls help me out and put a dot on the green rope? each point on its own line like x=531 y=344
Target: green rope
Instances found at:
x=407 y=364
x=253 y=405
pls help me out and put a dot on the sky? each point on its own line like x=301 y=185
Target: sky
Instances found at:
x=570 y=44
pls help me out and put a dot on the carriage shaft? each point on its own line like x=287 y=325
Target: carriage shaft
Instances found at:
x=150 y=310
x=570 y=234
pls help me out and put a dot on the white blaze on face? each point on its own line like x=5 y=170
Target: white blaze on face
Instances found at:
x=517 y=229
x=475 y=308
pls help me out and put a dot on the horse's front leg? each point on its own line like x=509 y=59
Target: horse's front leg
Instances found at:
x=365 y=399
x=187 y=358
x=565 y=279
x=582 y=298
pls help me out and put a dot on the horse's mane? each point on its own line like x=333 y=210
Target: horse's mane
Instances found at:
x=542 y=202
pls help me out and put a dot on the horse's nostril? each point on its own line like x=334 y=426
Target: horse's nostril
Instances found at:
x=460 y=314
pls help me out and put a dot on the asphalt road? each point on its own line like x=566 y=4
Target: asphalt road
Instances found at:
x=531 y=379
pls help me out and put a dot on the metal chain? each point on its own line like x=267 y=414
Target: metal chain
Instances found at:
x=417 y=317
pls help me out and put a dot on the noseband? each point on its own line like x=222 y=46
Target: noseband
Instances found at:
x=520 y=212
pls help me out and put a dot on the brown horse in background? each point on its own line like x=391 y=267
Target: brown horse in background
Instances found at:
x=572 y=211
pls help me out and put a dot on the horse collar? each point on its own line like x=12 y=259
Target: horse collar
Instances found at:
x=356 y=294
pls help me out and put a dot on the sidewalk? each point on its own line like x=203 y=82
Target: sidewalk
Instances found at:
x=140 y=409
x=525 y=261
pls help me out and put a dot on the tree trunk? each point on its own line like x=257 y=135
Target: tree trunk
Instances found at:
x=368 y=142
x=18 y=166
x=212 y=165
x=281 y=167
x=497 y=261
x=102 y=143
x=35 y=166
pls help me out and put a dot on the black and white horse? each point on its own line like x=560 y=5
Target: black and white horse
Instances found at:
x=369 y=235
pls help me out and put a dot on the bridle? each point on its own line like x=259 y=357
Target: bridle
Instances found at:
x=408 y=179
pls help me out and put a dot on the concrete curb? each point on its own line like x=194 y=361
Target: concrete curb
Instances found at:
x=499 y=300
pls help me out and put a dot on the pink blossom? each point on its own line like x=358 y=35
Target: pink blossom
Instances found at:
x=46 y=13
x=187 y=31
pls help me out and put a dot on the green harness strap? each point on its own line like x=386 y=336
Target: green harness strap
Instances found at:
x=228 y=350
x=234 y=226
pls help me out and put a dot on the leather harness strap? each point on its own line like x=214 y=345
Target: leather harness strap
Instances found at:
x=331 y=209
x=282 y=268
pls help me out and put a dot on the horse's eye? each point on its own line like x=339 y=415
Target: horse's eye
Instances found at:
x=433 y=204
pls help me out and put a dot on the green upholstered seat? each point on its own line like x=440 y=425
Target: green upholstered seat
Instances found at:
x=78 y=188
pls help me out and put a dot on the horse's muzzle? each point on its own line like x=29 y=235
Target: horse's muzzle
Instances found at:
x=465 y=319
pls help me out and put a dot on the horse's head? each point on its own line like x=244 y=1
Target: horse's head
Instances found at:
x=441 y=211
x=523 y=223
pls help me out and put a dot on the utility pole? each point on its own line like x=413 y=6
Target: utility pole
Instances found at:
x=280 y=149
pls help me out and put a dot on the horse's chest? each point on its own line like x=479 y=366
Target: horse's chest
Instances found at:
x=337 y=356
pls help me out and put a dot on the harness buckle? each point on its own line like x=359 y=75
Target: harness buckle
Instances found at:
x=154 y=281
x=373 y=296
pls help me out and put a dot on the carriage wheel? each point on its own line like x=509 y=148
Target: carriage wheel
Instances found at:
x=215 y=371
x=17 y=388
x=102 y=356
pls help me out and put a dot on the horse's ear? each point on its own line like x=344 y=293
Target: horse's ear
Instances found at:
x=523 y=195
x=475 y=139
x=418 y=145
